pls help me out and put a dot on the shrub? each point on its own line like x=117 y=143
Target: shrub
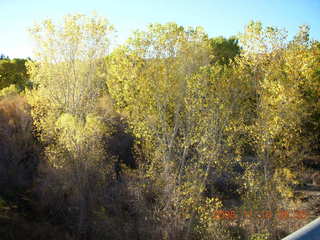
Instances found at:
x=18 y=148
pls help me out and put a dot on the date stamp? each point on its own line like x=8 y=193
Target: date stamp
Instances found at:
x=282 y=214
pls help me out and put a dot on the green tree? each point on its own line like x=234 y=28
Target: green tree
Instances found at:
x=223 y=50
x=14 y=72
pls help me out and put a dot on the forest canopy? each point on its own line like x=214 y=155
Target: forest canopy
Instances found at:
x=152 y=138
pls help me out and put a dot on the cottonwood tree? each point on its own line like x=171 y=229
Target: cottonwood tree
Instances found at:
x=279 y=110
x=182 y=108
x=303 y=68
x=68 y=59
x=68 y=75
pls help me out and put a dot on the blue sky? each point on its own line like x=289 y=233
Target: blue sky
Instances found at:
x=223 y=17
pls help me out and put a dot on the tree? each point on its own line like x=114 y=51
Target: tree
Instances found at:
x=68 y=79
x=68 y=59
x=182 y=110
x=14 y=72
x=18 y=147
x=2 y=56
x=303 y=69
x=223 y=50
x=270 y=63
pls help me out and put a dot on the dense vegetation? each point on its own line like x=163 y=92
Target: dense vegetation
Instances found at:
x=152 y=139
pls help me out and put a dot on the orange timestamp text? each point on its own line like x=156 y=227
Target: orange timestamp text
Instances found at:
x=260 y=214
